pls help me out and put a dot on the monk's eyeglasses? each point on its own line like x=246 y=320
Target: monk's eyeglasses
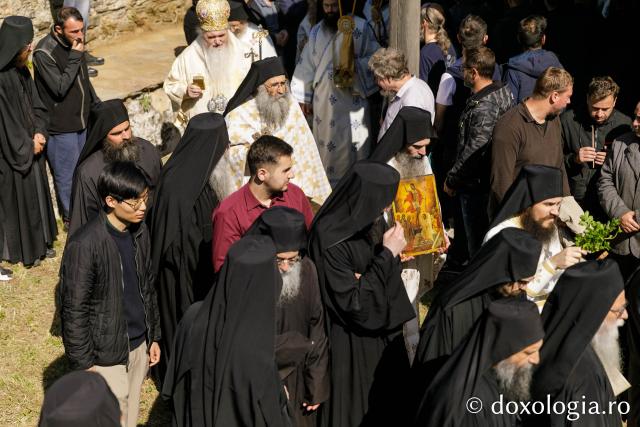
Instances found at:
x=288 y=261
x=277 y=85
x=620 y=311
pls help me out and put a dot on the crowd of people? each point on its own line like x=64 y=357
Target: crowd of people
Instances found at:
x=257 y=270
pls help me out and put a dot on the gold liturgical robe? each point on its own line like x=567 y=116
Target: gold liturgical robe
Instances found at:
x=245 y=126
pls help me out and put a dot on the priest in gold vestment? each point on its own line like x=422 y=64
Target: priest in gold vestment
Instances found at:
x=263 y=106
x=207 y=73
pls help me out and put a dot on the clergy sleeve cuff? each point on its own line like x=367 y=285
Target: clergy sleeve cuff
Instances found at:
x=549 y=267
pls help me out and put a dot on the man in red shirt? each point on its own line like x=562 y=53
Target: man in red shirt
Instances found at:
x=271 y=169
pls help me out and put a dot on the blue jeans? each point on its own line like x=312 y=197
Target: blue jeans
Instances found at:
x=63 y=151
x=474 y=218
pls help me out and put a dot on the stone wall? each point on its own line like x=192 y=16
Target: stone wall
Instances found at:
x=107 y=18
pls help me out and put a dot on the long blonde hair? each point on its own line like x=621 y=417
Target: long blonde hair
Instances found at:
x=435 y=20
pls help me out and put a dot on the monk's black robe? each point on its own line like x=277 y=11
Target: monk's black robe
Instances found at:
x=85 y=201
x=302 y=348
x=368 y=361
x=587 y=382
x=181 y=227
x=26 y=209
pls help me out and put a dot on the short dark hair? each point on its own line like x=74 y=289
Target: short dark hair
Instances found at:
x=66 y=13
x=531 y=31
x=601 y=87
x=482 y=59
x=472 y=31
x=121 y=180
x=266 y=149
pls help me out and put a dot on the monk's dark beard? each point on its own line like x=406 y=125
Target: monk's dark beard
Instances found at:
x=514 y=381
x=606 y=345
x=409 y=166
x=541 y=233
x=273 y=111
x=290 y=283
x=128 y=151
x=331 y=21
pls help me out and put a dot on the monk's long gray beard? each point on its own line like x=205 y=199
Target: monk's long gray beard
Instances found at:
x=273 y=111
x=128 y=151
x=606 y=345
x=408 y=166
x=514 y=381
x=290 y=283
x=220 y=180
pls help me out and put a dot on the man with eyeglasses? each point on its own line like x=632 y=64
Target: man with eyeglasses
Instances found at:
x=302 y=347
x=263 y=106
x=580 y=359
x=110 y=318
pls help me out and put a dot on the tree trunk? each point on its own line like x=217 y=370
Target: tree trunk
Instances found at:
x=404 y=17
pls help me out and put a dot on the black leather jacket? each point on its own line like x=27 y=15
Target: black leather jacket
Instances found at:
x=94 y=328
x=473 y=163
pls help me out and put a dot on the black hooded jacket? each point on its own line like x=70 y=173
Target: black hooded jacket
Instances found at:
x=94 y=329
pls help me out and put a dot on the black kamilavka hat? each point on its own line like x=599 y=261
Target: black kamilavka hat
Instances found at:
x=15 y=33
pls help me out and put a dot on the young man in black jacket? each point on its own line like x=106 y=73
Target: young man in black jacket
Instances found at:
x=110 y=320
x=587 y=133
x=62 y=79
x=468 y=179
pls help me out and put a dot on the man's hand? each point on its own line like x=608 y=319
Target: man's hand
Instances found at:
x=586 y=154
x=194 y=91
x=394 y=239
x=154 y=354
x=600 y=156
x=450 y=191
x=447 y=243
x=282 y=37
x=307 y=109
x=309 y=407
x=78 y=44
x=39 y=142
x=628 y=222
x=568 y=257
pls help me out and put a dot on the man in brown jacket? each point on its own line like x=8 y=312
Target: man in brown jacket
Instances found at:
x=531 y=133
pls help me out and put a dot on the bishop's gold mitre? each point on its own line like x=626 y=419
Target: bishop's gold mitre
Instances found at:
x=213 y=14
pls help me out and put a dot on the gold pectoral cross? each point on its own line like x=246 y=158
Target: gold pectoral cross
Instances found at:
x=260 y=35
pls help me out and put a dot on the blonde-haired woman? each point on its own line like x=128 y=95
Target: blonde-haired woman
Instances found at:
x=438 y=52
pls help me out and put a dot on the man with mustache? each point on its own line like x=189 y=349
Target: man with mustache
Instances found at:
x=263 y=105
x=332 y=83
x=531 y=133
x=110 y=139
x=207 y=73
x=302 y=347
x=580 y=359
x=496 y=359
x=533 y=203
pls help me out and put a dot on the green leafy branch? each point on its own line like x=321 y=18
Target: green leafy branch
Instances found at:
x=597 y=236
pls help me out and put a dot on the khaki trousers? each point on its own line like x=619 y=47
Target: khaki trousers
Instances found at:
x=126 y=383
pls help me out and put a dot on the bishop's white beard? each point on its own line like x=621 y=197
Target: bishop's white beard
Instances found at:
x=408 y=166
x=606 y=345
x=514 y=381
x=219 y=60
x=220 y=180
x=290 y=283
x=273 y=111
